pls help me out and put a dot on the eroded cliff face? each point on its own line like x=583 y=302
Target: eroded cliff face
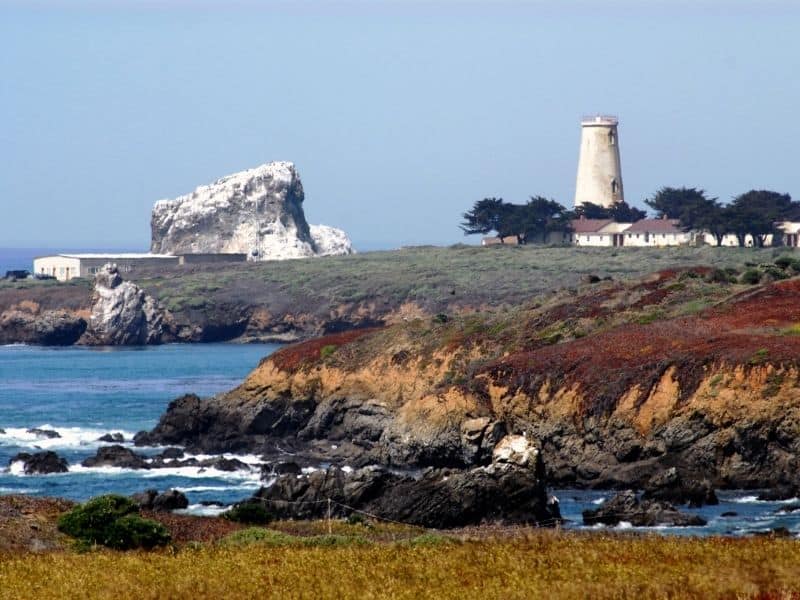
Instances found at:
x=714 y=394
x=258 y=212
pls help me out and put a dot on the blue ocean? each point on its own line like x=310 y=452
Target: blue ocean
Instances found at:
x=83 y=393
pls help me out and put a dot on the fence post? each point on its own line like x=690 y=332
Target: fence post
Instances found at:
x=329 y=517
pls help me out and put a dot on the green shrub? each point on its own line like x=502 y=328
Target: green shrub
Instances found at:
x=132 y=531
x=775 y=272
x=750 y=277
x=249 y=512
x=441 y=319
x=112 y=521
x=784 y=262
x=719 y=276
x=90 y=521
x=326 y=351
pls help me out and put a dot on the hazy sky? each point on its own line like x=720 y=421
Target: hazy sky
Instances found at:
x=398 y=115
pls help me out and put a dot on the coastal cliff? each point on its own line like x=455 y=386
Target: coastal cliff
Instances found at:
x=616 y=385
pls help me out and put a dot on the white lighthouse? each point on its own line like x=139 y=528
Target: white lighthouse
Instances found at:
x=599 y=171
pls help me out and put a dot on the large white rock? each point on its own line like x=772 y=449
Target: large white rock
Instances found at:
x=121 y=312
x=258 y=212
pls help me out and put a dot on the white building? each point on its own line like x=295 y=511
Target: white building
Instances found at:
x=67 y=266
x=657 y=233
x=598 y=232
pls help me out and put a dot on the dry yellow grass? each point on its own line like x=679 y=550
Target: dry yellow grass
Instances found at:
x=534 y=565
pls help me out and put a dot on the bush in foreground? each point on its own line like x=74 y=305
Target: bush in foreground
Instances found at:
x=112 y=521
x=250 y=513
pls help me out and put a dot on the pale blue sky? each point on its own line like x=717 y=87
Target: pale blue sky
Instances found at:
x=398 y=115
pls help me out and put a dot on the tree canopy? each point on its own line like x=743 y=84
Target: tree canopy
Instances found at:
x=534 y=219
x=620 y=212
x=755 y=213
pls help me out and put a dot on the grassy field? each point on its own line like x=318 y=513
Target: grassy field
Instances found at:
x=431 y=277
x=530 y=564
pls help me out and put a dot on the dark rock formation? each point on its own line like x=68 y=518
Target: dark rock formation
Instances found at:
x=779 y=493
x=167 y=501
x=116 y=456
x=669 y=486
x=114 y=438
x=44 y=433
x=510 y=489
x=625 y=506
x=170 y=500
x=41 y=462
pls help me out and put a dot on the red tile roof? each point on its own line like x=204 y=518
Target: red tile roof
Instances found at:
x=589 y=225
x=655 y=226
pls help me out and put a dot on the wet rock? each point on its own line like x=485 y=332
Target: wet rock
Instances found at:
x=510 y=490
x=778 y=493
x=145 y=499
x=669 y=486
x=170 y=500
x=789 y=509
x=44 y=433
x=281 y=468
x=113 y=438
x=2 y=431
x=729 y=513
x=625 y=506
x=172 y=453
x=151 y=500
x=41 y=462
x=224 y=464
x=116 y=456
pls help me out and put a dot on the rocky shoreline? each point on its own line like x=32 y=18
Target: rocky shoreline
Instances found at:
x=702 y=402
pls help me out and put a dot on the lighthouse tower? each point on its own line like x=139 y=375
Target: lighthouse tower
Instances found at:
x=599 y=172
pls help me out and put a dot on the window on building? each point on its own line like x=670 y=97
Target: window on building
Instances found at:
x=612 y=139
x=614 y=187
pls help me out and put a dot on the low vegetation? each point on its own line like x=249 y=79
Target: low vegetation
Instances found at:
x=112 y=521
x=528 y=564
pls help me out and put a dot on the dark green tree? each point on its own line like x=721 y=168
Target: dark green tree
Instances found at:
x=539 y=217
x=529 y=221
x=486 y=215
x=621 y=212
x=758 y=213
x=692 y=208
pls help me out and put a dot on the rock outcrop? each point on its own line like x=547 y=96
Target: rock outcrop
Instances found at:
x=511 y=489
x=258 y=212
x=122 y=313
x=626 y=507
x=41 y=462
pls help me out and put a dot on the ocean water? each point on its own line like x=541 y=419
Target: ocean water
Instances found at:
x=83 y=393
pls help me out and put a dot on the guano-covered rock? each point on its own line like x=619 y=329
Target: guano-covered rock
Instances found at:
x=258 y=212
